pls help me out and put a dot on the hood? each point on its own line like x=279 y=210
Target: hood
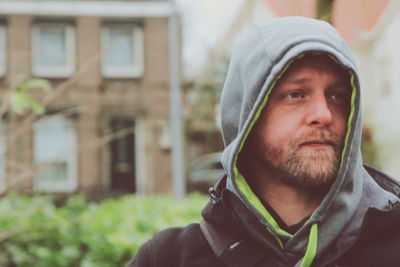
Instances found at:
x=256 y=64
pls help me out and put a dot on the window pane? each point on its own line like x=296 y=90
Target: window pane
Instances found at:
x=52 y=48
x=53 y=147
x=119 y=47
x=52 y=171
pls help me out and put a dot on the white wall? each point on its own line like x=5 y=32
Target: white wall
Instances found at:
x=379 y=64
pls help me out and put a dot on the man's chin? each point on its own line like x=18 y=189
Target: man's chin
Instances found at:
x=309 y=172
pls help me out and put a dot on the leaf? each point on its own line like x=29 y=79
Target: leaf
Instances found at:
x=23 y=86
x=37 y=84
x=20 y=102
x=37 y=108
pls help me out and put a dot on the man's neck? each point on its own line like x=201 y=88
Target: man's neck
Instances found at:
x=292 y=204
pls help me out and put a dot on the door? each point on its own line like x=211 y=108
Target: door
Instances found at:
x=122 y=149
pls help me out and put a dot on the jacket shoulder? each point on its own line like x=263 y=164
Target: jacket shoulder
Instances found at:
x=178 y=246
x=379 y=240
x=385 y=181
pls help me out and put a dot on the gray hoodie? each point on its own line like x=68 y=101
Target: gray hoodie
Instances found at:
x=260 y=58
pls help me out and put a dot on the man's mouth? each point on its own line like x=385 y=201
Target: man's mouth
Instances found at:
x=317 y=143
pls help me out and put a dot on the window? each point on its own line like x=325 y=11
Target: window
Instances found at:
x=53 y=49
x=55 y=155
x=2 y=50
x=122 y=51
x=2 y=158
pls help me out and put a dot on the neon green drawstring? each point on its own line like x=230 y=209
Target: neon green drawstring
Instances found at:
x=311 y=246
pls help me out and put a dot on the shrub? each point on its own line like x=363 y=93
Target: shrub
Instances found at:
x=34 y=232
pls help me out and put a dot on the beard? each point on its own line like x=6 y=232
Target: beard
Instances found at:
x=301 y=167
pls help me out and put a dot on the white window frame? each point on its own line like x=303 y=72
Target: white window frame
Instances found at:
x=3 y=54
x=134 y=71
x=54 y=71
x=70 y=184
x=3 y=165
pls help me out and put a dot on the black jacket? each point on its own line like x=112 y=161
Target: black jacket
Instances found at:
x=378 y=243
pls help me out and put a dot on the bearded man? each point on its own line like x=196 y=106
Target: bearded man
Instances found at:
x=296 y=192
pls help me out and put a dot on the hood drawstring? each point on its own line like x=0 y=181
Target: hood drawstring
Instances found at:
x=311 y=247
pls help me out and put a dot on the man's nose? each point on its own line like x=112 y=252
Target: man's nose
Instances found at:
x=318 y=112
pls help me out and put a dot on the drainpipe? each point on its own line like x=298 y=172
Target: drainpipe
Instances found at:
x=176 y=114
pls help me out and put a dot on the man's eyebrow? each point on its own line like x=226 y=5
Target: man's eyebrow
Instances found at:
x=297 y=80
x=338 y=83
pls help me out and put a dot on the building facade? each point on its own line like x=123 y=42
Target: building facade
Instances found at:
x=106 y=125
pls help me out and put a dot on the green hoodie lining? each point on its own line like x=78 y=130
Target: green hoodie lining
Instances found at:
x=351 y=116
x=311 y=246
x=240 y=181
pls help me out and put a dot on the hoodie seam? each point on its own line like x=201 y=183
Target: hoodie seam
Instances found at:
x=264 y=49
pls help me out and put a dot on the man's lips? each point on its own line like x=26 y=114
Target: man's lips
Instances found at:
x=317 y=143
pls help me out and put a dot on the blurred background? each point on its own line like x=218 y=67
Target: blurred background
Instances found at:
x=120 y=98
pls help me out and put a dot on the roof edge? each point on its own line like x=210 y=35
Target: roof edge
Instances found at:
x=115 y=9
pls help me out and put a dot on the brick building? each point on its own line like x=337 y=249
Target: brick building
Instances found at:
x=106 y=121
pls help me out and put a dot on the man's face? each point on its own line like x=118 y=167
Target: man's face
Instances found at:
x=300 y=133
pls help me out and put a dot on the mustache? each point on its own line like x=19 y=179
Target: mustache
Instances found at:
x=319 y=136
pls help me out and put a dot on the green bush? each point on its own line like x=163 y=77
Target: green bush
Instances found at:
x=34 y=232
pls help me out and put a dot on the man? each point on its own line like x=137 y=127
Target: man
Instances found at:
x=295 y=192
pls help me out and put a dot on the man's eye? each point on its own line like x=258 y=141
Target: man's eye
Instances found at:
x=337 y=96
x=294 y=95
x=334 y=96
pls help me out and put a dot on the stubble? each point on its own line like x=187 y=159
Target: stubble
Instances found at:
x=302 y=167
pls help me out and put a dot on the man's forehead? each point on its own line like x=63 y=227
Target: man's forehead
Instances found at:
x=317 y=61
x=321 y=62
